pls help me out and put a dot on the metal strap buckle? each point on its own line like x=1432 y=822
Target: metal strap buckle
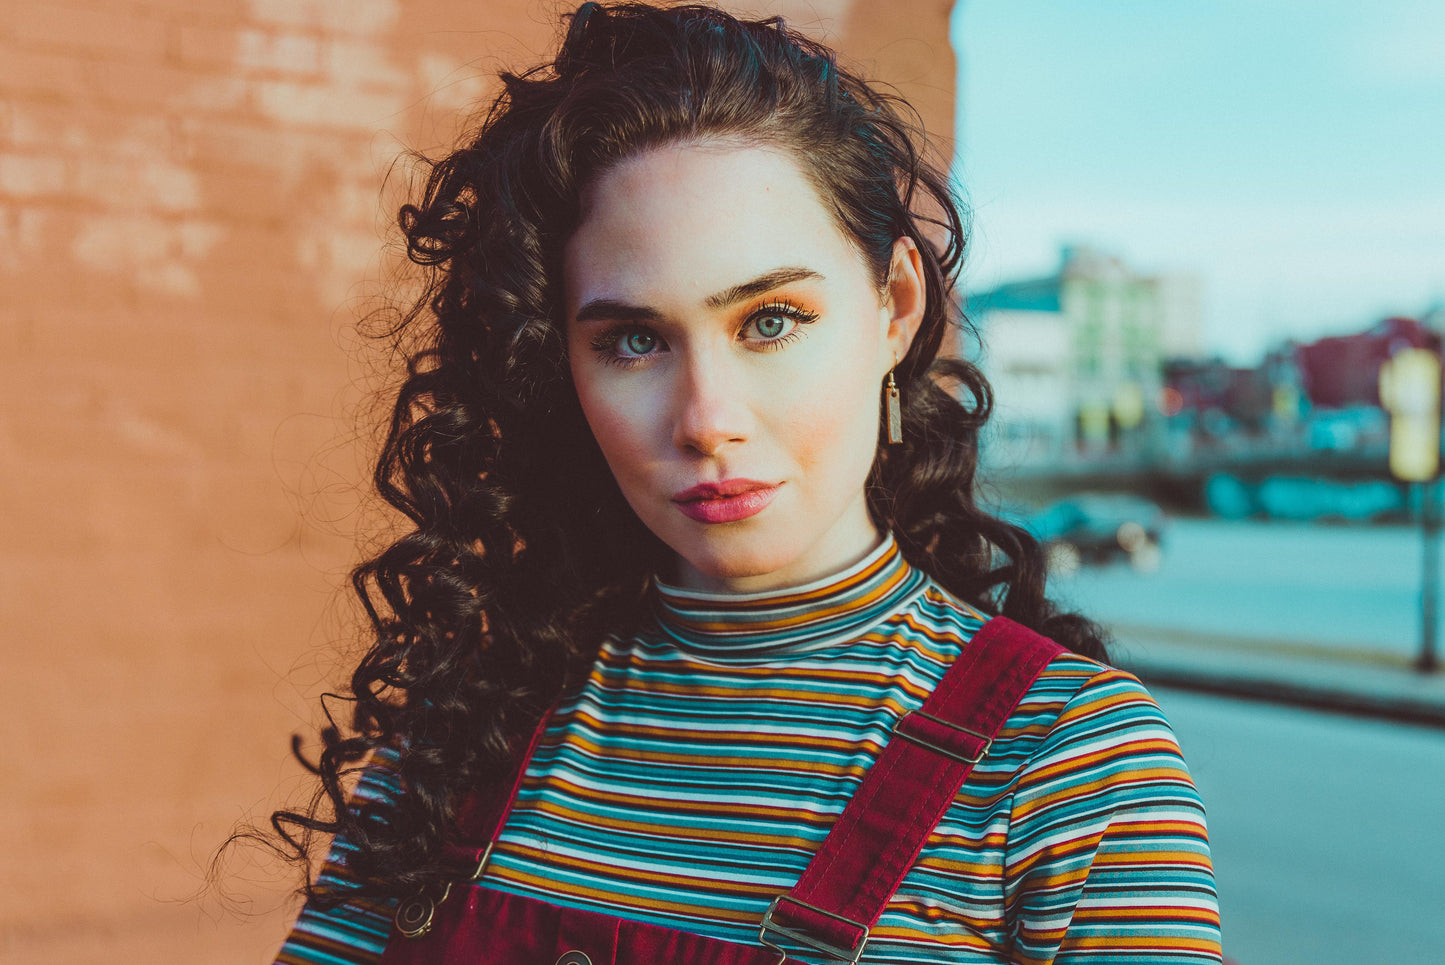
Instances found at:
x=922 y=742
x=832 y=951
x=414 y=916
x=475 y=874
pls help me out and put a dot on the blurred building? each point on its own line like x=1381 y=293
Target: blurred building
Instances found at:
x=1211 y=385
x=1214 y=399
x=1075 y=358
x=1344 y=370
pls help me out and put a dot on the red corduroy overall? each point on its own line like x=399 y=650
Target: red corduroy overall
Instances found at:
x=841 y=893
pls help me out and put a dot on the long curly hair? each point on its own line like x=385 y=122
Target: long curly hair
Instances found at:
x=521 y=552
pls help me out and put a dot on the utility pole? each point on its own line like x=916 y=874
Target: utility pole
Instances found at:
x=1429 y=660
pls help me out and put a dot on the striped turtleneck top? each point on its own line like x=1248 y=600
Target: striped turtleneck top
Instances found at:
x=694 y=774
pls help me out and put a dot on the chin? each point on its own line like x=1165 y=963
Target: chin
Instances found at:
x=740 y=555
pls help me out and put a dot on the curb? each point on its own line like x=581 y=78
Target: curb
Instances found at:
x=1402 y=710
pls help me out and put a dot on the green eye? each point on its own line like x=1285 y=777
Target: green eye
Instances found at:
x=771 y=326
x=639 y=343
x=774 y=325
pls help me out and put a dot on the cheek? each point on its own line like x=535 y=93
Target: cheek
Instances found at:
x=832 y=428
x=618 y=425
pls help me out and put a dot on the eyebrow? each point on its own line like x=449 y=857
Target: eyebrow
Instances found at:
x=612 y=310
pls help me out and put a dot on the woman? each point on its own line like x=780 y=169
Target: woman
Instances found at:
x=696 y=564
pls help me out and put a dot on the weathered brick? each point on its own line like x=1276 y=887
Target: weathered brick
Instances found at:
x=353 y=17
x=43 y=124
x=146 y=255
x=358 y=203
x=105 y=180
x=252 y=146
x=22 y=239
x=241 y=198
x=285 y=53
x=366 y=64
x=206 y=45
x=45 y=234
x=91 y=341
x=80 y=129
x=28 y=176
x=212 y=94
x=145 y=136
x=41 y=74
x=17 y=335
x=450 y=85
x=145 y=84
x=327 y=105
x=110 y=30
x=153 y=182
x=212 y=12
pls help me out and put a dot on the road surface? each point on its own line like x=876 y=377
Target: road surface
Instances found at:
x=1349 y=588
x=1328 y=832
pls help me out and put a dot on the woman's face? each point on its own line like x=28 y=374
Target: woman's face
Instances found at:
x=729 y=347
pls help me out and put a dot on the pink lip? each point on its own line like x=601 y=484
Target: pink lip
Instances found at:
x=727 y=501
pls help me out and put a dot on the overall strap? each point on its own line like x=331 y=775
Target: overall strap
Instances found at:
x=485 y=810
x=906 y=792
x=479 y=818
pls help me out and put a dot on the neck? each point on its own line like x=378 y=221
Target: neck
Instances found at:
x=772 y=624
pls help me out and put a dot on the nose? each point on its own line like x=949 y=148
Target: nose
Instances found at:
x=710 y=411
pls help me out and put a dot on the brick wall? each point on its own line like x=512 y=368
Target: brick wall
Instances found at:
x=191 y=220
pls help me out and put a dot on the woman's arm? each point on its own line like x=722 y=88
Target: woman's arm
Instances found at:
x=1108 y=856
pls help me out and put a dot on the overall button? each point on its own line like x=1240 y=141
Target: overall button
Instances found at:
x=574 y=958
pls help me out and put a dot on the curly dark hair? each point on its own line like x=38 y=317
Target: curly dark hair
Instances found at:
x=522 y=552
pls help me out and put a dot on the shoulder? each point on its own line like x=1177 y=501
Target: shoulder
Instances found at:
x=1076 y=703
x=1072 y=693
x=1090 y=743
x=1076 y=692
x=1081 y=729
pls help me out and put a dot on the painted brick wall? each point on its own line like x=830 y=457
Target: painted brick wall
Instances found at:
x=191 y=220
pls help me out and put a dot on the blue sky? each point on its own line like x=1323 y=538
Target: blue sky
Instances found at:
x=1292 y=154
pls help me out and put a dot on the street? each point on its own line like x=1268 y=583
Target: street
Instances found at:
x=1326 y=830
x=1345 y=587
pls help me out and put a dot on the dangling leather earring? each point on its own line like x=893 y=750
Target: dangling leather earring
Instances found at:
x=895 y=407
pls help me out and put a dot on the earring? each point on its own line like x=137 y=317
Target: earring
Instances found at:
x=895 y=408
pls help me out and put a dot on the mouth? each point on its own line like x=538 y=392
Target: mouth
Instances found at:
x=727 y=501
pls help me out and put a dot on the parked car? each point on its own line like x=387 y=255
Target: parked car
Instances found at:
x=1100 y=528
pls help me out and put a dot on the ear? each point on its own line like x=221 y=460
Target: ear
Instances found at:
x=905 y=296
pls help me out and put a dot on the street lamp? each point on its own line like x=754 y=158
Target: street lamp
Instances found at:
x=1410 y=391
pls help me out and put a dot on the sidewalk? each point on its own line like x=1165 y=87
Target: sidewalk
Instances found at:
x=1363 y=682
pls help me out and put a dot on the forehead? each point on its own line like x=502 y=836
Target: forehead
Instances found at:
x=680 y=222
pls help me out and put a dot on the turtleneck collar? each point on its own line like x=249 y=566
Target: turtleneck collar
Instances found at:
x=748 y=627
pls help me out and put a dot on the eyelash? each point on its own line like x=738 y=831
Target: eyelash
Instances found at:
x=605 y=344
